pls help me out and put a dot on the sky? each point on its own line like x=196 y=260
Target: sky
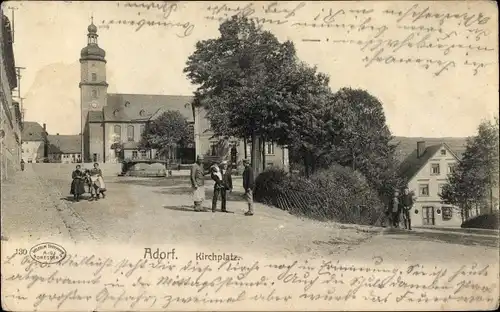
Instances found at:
x=144 y=59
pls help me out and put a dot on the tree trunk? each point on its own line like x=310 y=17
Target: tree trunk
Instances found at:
x=263 y=154
x=245 y=147
x=256 y=155
x=353 y=161
x=306 y=163
x=314 y=161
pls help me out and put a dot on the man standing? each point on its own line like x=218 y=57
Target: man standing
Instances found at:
x=407 y=203
x=227 y=182
x=395 y=209
x=248 y=184
x=198 y=184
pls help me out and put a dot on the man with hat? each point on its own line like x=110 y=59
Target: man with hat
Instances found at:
x=407 y=203
x=248 y=183
x=198 y=184
x=227 y=182
x=395 y=209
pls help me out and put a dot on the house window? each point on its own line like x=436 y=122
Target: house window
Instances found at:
x=141 y=129
x=134 y=154
x=447 y=213
x=270 y=148
x=451 y=168
x=443 y=152
x=143 y=154
x=423 y=189
x=94 y=77
x=435 y=169
x=440 y=188
x=130 y=133
x=94 y=94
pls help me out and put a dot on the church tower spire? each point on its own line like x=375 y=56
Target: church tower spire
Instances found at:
x=93 y=88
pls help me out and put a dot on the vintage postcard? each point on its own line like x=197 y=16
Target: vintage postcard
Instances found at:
x=257 y=156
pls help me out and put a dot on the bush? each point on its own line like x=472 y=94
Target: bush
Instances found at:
x=486 y=221
x=337 y=193
x=269 y=182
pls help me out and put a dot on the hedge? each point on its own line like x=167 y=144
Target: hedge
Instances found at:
x=338 y=193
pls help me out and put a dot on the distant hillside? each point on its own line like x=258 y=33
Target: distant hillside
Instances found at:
x=408 y=145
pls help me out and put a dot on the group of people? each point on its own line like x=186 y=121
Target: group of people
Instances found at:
x=223 y=182
x=90 y=178
x=401 y=207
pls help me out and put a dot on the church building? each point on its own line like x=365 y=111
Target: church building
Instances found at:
x=112 y=123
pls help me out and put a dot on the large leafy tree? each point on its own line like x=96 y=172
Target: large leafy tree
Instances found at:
x=476 y=174
x=241 y=83
x=364 y=139
x=170 y=129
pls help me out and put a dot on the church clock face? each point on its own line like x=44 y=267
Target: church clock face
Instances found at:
x=93 y=104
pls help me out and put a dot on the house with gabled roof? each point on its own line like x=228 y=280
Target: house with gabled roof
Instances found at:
x=34 y=138
x=64 y=148
x=426 y=169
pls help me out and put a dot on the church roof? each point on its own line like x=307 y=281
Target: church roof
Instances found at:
x=92 y=52
x=64 y=144
x=141 y=107
x=33 y=131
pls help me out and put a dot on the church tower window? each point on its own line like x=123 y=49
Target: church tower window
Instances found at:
x=130 y=133
x=94 y=94
x=94 y=77
x=118 y=132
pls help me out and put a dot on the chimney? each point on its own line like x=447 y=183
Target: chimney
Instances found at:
x=45 y=127
x=57 y=133
x=420 y=148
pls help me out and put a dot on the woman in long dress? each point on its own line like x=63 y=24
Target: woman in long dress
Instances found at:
x=77 y=185
x=98 y=187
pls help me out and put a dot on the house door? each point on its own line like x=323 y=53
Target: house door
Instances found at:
x=428 y=216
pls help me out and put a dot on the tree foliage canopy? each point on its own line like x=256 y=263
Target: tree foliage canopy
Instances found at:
x=477 y=172
x=251 y=84
x=170 y=129
x=241 y=79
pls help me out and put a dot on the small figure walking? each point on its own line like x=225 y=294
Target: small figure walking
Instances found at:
x=248 y=184
x=22 y=164
x=198 y=184
x=77 y=185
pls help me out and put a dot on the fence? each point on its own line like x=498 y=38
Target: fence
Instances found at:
x=316 y=203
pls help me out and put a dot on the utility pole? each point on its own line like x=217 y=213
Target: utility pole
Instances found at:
x=18 y=75
x=22 y=108
x=12 y=9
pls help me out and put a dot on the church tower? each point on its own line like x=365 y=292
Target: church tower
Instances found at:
x=93 y=85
